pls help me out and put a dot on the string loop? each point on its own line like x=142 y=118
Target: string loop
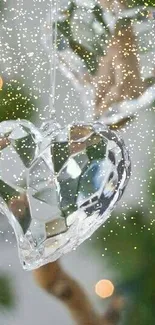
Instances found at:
x=52 y=55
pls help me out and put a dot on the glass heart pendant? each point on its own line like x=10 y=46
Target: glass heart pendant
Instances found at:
x=58 y=187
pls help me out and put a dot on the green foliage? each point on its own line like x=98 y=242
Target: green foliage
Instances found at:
x=77 y=32
x=150 y=81
x=16 y=102
x=1 y=6
x=7 y=298
x=127 y=242
x=122 y=241
x=143 y=298
x=88 y=57
x=145 y=3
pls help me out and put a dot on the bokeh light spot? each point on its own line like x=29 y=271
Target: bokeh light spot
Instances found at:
x=1 y=82
x=104 y=288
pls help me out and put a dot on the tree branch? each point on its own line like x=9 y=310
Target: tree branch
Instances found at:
x=57 y=282
x=119 y=75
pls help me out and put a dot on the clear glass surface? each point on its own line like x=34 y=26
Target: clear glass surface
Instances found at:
x=57 y=189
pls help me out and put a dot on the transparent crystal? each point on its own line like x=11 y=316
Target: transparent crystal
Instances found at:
x=58 y=188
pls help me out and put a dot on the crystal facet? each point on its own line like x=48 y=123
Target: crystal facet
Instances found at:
x=57 y=189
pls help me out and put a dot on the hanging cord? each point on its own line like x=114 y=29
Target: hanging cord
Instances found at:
x=52 y=56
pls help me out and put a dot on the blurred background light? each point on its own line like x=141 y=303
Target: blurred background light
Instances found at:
x=1 y=82
x=104 y=288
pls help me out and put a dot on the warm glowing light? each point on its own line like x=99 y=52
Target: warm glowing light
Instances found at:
x=104 y=288
x=1 y=82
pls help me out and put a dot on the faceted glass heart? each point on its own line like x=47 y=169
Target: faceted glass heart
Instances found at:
x=57 y=189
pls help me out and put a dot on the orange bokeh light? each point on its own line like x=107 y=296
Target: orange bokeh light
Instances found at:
x=104 y=288
x=1 y=82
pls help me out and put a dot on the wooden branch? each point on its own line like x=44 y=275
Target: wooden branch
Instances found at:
x=57 y=282
x=112 y=315
x=112 y=5
x=4 y=142
x=119 y=75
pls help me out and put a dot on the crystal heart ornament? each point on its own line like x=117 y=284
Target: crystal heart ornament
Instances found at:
x=58 y=187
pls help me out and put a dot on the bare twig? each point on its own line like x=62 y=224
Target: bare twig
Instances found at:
x=112 y=5
x=4 y=142
x=112 y=315
x=119 y=73
x=57 y=282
